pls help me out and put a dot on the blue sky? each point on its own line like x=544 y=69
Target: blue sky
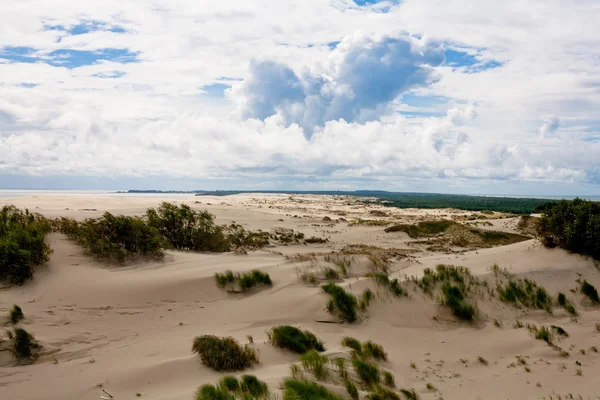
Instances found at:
x=397 y=95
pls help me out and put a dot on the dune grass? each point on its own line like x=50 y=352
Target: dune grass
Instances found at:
x=341 y=302
x=298 y=389
x=368 y=372
x=224 y=353
x=590 y=291
x=315 y=363
x=294 y=339
x=422 y=229
x=242 y=282
x=526 y=293
x=16 y=314
x=230 y=388
x=24 y=344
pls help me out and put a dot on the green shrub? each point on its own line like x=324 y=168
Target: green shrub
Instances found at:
x=253 y=386
x=544 y=334
x=210 y=392
x=368 y=372
x=117 y=238
x=295 y=389
x=590 y=291
x=422 y=229
x=454 y=298
x=353 y=344
x=365 y=299
x=315 y=363
x=388 y=379
x=525 y=292
x=393 y=286
x=410 y=394
x=229 y=383
x=331 y=274
x=341 y=301
x=188 y=229
x=383 y=394
x=23 y=343
x=22 y=244
x=224 y=354
x=291 y=338
x=562 y=299
x=243 y=282
x=314 y=239
x=16 y=314
x=351 y=389
x=374 y=350
x=573 y=225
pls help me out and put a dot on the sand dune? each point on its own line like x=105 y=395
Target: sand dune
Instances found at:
x=129 y=330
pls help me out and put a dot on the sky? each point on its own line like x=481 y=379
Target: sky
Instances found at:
x=480 y=97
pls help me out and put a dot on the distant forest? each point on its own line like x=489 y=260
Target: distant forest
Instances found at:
x=408 y=200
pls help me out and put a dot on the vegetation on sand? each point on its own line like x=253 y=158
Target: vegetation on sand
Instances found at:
x=243 y=282
x=224 y=353
x=22 y=244
x=294 y=339
x=16 y=314
x=341 y=302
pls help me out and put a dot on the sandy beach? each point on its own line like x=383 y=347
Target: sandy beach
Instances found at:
x=129 y=329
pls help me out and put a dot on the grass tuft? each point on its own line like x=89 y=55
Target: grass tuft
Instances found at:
x=224 y=354
x=16 y=314
x=294 y=339
x=342 y=302
x=590 y=291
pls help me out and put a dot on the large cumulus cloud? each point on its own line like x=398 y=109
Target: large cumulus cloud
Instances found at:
x=362 y=78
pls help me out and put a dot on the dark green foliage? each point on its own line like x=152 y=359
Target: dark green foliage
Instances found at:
x=562 y=299
x=331 y=274
x=22 y=244
x=16 y=314
x=229 y=388
x=224 y=354
x=115 y=238
x=314 y=239
x=295 y=389
x=23 y=343
x=315 y=363
x=381 y=393
x=393 y=285
x=410 y=394
x=388 y=379
x=353 y=344
x=351 y=389
x=544 y=334
x=294 y=339
x=573 y=225
x=253 y=386
x=341 y=301
x=211 y=392
x=454 y=298
x=229 y=383
x=590 y=291
x=365 y=299
x=244 y=282
x=188 y=229
x=368 y=372
x=525 y=292
x=560 y=330
x=422 y=229
x=373 y=350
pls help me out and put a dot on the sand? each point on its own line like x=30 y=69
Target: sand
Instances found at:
x=128 y=330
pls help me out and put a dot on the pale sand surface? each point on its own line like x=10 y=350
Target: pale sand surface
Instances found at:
x=130 y=328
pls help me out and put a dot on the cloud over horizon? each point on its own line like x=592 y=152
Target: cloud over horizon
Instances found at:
x=397 y=95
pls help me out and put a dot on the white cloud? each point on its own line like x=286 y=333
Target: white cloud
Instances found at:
x=152 y=118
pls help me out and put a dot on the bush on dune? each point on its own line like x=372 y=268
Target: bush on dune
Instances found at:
x=230 y=388
x=294 y=339
x=115 y=237
x=24 y=344
x=242 y=282
x=15 y=315
x=296 y=389
x=224 y=354
x=22 y=244
x=188 y=229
